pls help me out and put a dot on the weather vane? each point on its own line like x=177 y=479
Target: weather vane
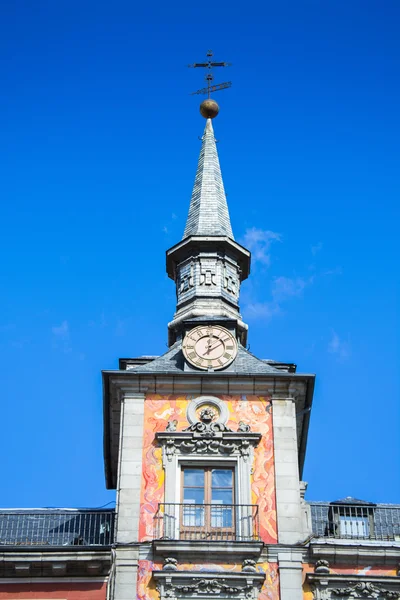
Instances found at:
x=209 y=108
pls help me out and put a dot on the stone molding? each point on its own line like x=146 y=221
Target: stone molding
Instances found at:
x=208 y=435
x=174 y=585
x=356 y=552
x=342 y=587
x=221 y=407
x=58 y=564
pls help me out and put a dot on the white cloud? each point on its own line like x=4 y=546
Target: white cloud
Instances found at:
x=61 y=331
x=259 y=241
x=317 y=248
x=339 y=347
x=287 y=287
x=334 y=271
x=61 y=337
x=262 y=310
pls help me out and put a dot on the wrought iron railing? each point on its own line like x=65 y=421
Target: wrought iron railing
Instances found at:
x=212 y=522
x=56 y=527
x=363 y=521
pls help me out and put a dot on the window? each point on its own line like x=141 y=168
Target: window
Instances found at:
x=354 y=526
x=207 y=509
x=351 y=521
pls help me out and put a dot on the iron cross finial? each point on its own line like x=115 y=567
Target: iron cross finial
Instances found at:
x=210 y=64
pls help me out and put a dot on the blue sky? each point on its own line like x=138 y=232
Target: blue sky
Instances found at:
x=98 y=157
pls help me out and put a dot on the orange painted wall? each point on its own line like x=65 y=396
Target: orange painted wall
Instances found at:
x=54 y=591
x=250 y=409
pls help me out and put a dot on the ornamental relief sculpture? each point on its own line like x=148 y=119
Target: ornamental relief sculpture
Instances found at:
x=208 y=435
x=199 y=585
x=362 y=589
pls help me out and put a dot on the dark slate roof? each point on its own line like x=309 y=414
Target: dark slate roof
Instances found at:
x=172 y=361
x=208 y=211
x=353 y=501
x=386 y=517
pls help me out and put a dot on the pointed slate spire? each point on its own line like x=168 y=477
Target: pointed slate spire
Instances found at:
x=208 y=211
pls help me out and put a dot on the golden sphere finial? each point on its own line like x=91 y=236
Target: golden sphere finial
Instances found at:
x=209 y=108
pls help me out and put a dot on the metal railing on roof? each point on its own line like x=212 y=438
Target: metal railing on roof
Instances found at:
x=358 y=521
x=56 y=527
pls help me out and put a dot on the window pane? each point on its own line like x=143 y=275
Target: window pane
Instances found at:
x=193 y=516
x=221 y=516
x=193 y=496
x=193 y=477
x=354 y=526
x=221 y=478
x=221 y=497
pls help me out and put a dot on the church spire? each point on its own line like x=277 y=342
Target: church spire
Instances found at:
x=207 y=265
x=208 y=211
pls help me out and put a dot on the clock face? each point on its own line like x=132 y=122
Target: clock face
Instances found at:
x=209 y=347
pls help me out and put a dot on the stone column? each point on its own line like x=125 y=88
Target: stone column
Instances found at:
x=128 y=497
x=287 y=484
x=290 y=575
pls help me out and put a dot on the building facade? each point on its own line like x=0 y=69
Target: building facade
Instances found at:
x=205 y=447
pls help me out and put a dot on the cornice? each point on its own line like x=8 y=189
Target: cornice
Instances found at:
x=378 y=552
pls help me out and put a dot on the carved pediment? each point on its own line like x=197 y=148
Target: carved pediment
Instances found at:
x=238 y=586
x=342 y=587
x=365 y=590
x=208 y=434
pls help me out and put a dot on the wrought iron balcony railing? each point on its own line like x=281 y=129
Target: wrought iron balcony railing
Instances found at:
x=56 y=527
x=359 y=521
x=207 y=522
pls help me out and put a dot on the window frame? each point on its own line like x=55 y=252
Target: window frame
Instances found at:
x=206 y=528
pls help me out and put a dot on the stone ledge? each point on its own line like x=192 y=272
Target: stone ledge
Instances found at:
x=215 y=549
x=14 y=564
x=378 y=552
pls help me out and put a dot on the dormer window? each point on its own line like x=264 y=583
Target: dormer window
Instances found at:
x=352 y=520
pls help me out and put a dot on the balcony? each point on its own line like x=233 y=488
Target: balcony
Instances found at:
x=364 y=520
x=210 y=528
x=56 y=527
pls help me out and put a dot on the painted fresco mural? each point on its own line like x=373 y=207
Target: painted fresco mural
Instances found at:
x=252 y=410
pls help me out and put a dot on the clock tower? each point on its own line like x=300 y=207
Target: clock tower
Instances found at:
x=207 y=265
x=205 y=444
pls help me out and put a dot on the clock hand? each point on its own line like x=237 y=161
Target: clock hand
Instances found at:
x=209 y=348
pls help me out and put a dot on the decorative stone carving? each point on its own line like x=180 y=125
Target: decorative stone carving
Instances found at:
x=208 y=414
x=207 y=275
x=185 y=280
x=208 y=440
x=249 y=566
x=200 y=585
x=209 y=435
x=207 y=428
x=321 y=566
x=210 y=586
x=211 y=402
x=171 y=425
x=365 y=590
x=170 y=564
x=243 y=426
x=326 y=589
